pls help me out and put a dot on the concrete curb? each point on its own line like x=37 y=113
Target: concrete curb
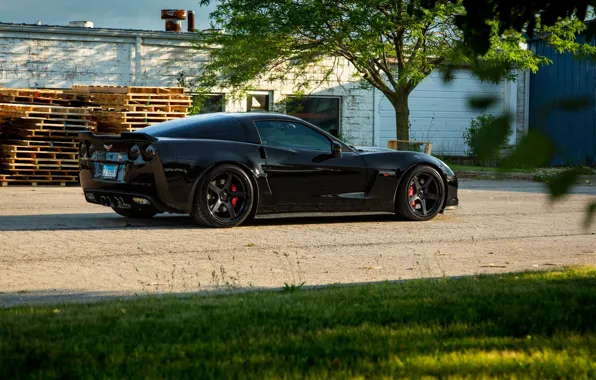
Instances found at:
x=466 y=174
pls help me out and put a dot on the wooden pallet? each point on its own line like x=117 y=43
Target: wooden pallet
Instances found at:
x=16 y=151
x=67 y=145
x=32 y=100
x=24 y=110
x=42 y=134
x=34 y=181
x=39 y=96
x=37 y=161
x=49 y=124
x=141 y=99
x=183 y=108
x=394 y=144
x=36 y=92
x=38 y=173
x=83 y=89
x=137 y=117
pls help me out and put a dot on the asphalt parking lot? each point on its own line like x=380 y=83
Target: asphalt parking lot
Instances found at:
x=56 y=247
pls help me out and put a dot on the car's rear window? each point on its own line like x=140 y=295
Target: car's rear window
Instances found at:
x=212 y=127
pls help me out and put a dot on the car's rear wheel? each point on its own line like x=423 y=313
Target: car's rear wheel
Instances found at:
x=420 y=195
x=224 y=197
x=135 y=214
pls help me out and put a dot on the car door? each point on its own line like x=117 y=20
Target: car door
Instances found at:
x=303 y=173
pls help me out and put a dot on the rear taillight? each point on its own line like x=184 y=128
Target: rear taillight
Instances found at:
x=149 y=153
x=134 y=153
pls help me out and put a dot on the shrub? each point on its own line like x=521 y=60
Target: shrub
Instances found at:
x=416 y=147
x=474 y=130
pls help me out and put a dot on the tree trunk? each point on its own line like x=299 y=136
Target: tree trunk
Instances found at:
x=402 y=118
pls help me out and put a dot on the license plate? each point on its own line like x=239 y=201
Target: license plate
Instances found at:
x=109 y=171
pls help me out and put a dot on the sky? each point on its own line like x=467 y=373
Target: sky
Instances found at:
x=124 y=14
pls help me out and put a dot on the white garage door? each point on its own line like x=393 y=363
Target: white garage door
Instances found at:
x=439 y=111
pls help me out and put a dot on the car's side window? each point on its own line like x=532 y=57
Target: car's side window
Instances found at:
x=292 y=135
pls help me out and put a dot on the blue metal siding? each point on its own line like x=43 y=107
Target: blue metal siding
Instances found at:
x=573 y=131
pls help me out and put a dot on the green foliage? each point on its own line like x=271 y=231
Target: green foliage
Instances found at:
x=534 y=17
x=575 y=103
x=290 y=288
x=487 y=128
x=416 y=147
x=392 y=45
x=590 y=215
x=524 y=325
x=550 y=174
x=491 y=29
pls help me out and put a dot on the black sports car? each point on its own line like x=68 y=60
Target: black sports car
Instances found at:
x=225 y=168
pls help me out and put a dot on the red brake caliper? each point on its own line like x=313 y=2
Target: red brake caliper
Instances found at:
x=234 y=200
x=411 y=194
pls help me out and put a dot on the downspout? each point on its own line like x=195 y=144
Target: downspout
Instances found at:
x=374 y=120
x=527 y=103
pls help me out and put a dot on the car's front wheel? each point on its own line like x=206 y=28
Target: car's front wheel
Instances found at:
x=224 y=197
x=420 y=195
x=135 y=214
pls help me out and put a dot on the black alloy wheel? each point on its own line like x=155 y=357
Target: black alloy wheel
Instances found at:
x=224 y=198
x=421 y=194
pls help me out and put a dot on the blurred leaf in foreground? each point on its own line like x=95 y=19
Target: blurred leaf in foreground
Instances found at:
x=487 y=141
x=590 y=215
x=482 y=102
x=562 y=183
x=572 y=103
x=534 y=150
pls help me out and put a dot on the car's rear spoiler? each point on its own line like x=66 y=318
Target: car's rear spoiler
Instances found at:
x=123 y=136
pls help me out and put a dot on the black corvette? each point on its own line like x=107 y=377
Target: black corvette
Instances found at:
x=225 y=168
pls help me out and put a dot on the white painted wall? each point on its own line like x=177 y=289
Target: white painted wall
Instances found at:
x=439 y=111
x=59 y=57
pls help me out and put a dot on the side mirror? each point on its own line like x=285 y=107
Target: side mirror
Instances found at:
x=336 y=149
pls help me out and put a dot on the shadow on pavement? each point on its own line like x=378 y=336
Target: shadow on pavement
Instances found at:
x=103 y=221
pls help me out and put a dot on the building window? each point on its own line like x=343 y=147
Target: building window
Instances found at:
x=258 y=102
x=213 y=103
x=320 y=111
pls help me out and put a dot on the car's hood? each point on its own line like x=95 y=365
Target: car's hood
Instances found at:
x=421 y=157
x=372 y=149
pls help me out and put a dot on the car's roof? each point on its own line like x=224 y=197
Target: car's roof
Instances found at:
x=246 y=116
x=218 y=117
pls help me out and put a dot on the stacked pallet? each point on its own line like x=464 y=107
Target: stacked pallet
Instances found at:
x=39 y=143
x=39 y=128
x=62 y=98
x=127 y=109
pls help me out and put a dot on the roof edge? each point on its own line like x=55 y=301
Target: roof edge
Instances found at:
x=108 y=32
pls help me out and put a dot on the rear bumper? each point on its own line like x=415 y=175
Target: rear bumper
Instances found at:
x=139 y=189
x=124 y=200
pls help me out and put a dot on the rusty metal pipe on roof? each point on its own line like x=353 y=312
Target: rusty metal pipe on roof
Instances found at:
x=191 y=21
x=173 y=18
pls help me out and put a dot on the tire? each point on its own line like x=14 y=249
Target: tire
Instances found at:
x=135 y=214
x=223 y=188
x=420 y=195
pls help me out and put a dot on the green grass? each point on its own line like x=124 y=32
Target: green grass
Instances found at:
x=540 y=325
